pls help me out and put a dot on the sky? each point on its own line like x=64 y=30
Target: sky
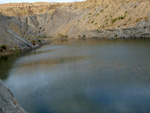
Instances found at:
x=20 y=1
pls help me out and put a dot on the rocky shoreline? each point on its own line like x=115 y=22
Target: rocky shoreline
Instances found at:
x=8 y=104
x=9 y=52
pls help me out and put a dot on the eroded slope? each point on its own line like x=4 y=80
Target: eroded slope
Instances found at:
x=89 y=19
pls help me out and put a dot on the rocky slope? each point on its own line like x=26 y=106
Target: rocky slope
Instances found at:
x=8 y=103
x=24 y=25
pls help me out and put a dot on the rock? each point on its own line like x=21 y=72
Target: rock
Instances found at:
x=8 y=104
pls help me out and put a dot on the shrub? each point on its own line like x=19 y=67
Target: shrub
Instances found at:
x=128 y=19
x=114 y=20
x=84 y=36
x=146 y=18
x=33 y=42
x=102 y=26
x=139 y=19
x=97 y=14
x=101 y=11
x=16 y=47
x=106 y=6
x=44 y=36
x=144 y=27
x=4 y=47
x=120 y=18
x=39 y=41
x=63 y=36
x=107 y=19
x=92 y=22
x=126 y=12
x=116 y=35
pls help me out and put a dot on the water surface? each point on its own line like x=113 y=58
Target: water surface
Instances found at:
x=81 y=77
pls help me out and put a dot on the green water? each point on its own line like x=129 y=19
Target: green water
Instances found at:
x=96 y=76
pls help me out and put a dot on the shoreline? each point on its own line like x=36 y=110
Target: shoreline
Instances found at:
x=9 y=103
x=10 y=52
x=60 y=40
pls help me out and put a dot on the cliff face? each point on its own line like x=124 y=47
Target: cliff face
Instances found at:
x=11 y=38
x=8 y=103
x=20 y=24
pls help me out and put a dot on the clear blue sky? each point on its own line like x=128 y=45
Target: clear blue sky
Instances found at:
x=19 y=1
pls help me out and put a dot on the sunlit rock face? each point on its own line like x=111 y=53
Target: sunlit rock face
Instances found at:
x=8 y=104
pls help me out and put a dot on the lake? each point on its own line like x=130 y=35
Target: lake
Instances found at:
x=93 y=76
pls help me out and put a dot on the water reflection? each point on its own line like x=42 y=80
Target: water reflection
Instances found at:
x=52 y=62
x=84 y=77
x=6 y=63
x=39 y=52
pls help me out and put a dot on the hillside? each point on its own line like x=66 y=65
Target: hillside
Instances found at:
x=88 y=19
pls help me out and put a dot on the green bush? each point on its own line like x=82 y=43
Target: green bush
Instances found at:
x=119 y=18
x=128 y=19
x=114 y=20
x=106 y=6
x=116 y=35
x=101 y=11
x=126 y=12
x=62 y=36
x=92 y=22
x=4 y=47
x=97 y=14
x=146 y=18
x=107 y=19
x=16 y=47
x=33 y=42
x=44 y=36
x=102 y=26
x=39 y=41
x=84 y=36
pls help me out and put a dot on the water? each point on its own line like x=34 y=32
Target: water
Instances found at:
x=81 y=77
